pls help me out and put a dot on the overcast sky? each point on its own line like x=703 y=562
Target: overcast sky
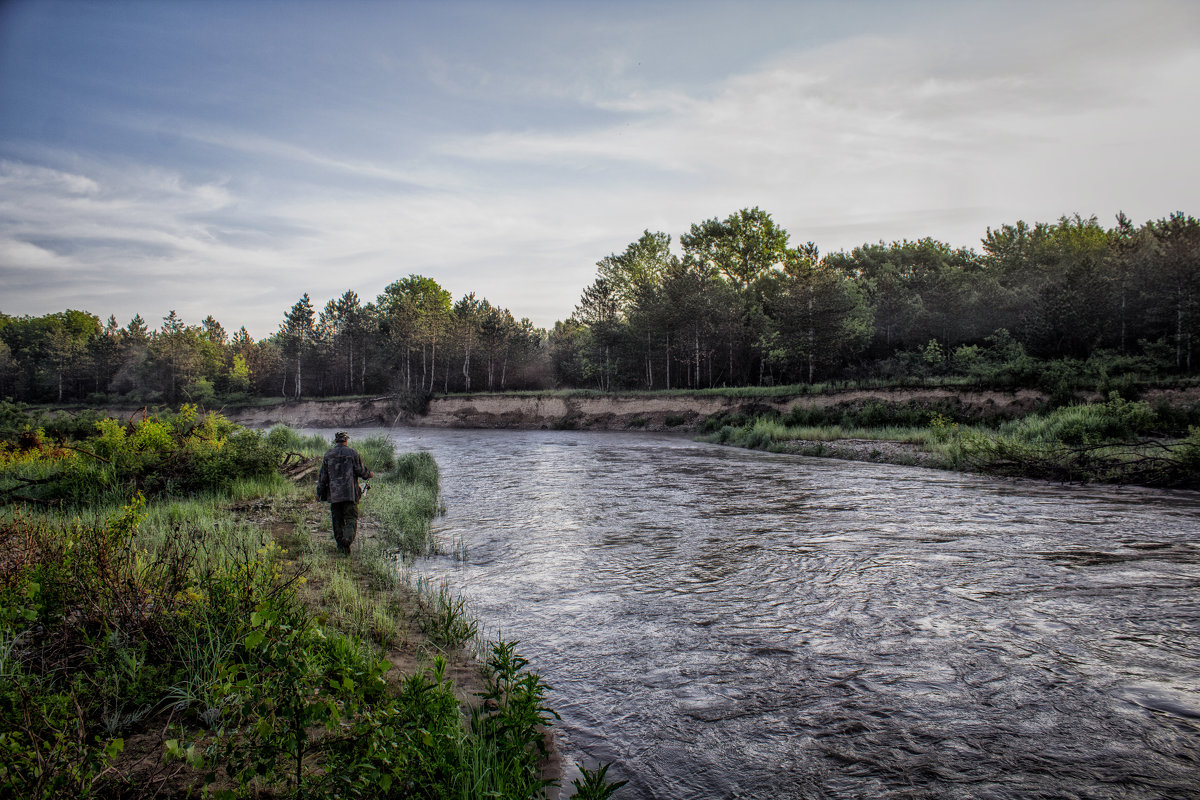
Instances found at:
x=225 y=157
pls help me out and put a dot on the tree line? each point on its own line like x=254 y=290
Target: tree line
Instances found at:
x=743 y=306
x=738 y=305
x=412 y=340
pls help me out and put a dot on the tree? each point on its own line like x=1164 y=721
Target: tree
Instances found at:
x=743 y=247
x=180 y=354
x=600 y=310
x=466 y=318
x=8 y=370
x=643 y=265
x=213 y=330
x=1174 y=246
x=51 y=353
x=296 y=335
x=238 y=379
x=819 y=316
x=133 y=345
x=412 y=312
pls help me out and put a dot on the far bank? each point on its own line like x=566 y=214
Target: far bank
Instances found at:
x=657 y=411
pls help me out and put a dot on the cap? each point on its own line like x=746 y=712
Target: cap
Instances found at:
x=341 y=436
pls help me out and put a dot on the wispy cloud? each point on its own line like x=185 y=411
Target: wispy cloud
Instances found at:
x=508 y=167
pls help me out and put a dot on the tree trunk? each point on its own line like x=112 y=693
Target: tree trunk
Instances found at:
x=1123 y=301
x=466 y=370
x=667 y=360
x=812 y=337
x=432 y=364
x=1179 y=326
x=649 y=363
x=731 y=355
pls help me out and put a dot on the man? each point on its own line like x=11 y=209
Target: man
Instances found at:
x=337 y=484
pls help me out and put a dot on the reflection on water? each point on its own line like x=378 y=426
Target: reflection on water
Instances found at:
x=726 y=623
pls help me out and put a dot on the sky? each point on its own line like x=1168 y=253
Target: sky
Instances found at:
x=225 y=157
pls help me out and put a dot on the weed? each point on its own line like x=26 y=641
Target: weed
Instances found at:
x=443 y=616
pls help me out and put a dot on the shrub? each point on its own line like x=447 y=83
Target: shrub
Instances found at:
x=181 y=453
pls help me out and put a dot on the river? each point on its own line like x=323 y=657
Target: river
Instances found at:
x=725 y=623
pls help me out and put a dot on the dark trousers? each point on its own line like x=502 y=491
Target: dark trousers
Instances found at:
x=345 y=524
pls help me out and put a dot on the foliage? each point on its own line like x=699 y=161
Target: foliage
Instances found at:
x=593 y=784
x=159 y=454
x=112 y=622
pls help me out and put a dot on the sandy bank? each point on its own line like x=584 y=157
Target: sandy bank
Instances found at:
x=655 y=412
x=679 y=412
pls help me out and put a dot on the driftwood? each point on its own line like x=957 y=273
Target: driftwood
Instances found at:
x=10 y=495
x=1146 y=463
x=297 y=466
x=85 y=452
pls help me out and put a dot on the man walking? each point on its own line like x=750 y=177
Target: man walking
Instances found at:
x=337 y=484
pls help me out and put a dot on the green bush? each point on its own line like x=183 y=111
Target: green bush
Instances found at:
x=1098 y=423
x=169 y=454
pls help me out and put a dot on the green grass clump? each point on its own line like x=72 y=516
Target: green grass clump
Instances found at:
x=287 y=439
x=404 y=500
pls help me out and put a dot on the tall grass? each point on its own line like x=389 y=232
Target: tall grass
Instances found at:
x=404 y=500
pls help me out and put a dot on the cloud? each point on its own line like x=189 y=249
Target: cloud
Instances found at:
x=520 y=173
x=905 y=126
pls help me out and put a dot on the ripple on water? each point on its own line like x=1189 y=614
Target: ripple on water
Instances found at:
x=725 y=623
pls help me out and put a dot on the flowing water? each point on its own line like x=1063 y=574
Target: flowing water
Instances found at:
x=725 y=623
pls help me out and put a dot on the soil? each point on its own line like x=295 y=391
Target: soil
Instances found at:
x=684 y=412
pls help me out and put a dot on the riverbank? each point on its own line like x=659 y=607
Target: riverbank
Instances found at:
x=1116 y=441
x=680 y=411
x=210 y=638
x=587 y=410
x=883 y=424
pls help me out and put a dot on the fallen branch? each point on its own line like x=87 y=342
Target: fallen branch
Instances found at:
x=85 y=452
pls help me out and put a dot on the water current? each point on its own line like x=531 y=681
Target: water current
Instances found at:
x=724 y=623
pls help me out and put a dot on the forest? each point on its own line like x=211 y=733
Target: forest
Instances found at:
x=1059 y=306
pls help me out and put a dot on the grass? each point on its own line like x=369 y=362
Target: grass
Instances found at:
x=1117 y=441
x=404 y=500
x=215 y=642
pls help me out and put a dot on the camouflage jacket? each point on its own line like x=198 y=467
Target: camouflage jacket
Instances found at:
x=340 y=470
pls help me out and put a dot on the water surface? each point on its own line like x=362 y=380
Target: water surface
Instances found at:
x=728 y=623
